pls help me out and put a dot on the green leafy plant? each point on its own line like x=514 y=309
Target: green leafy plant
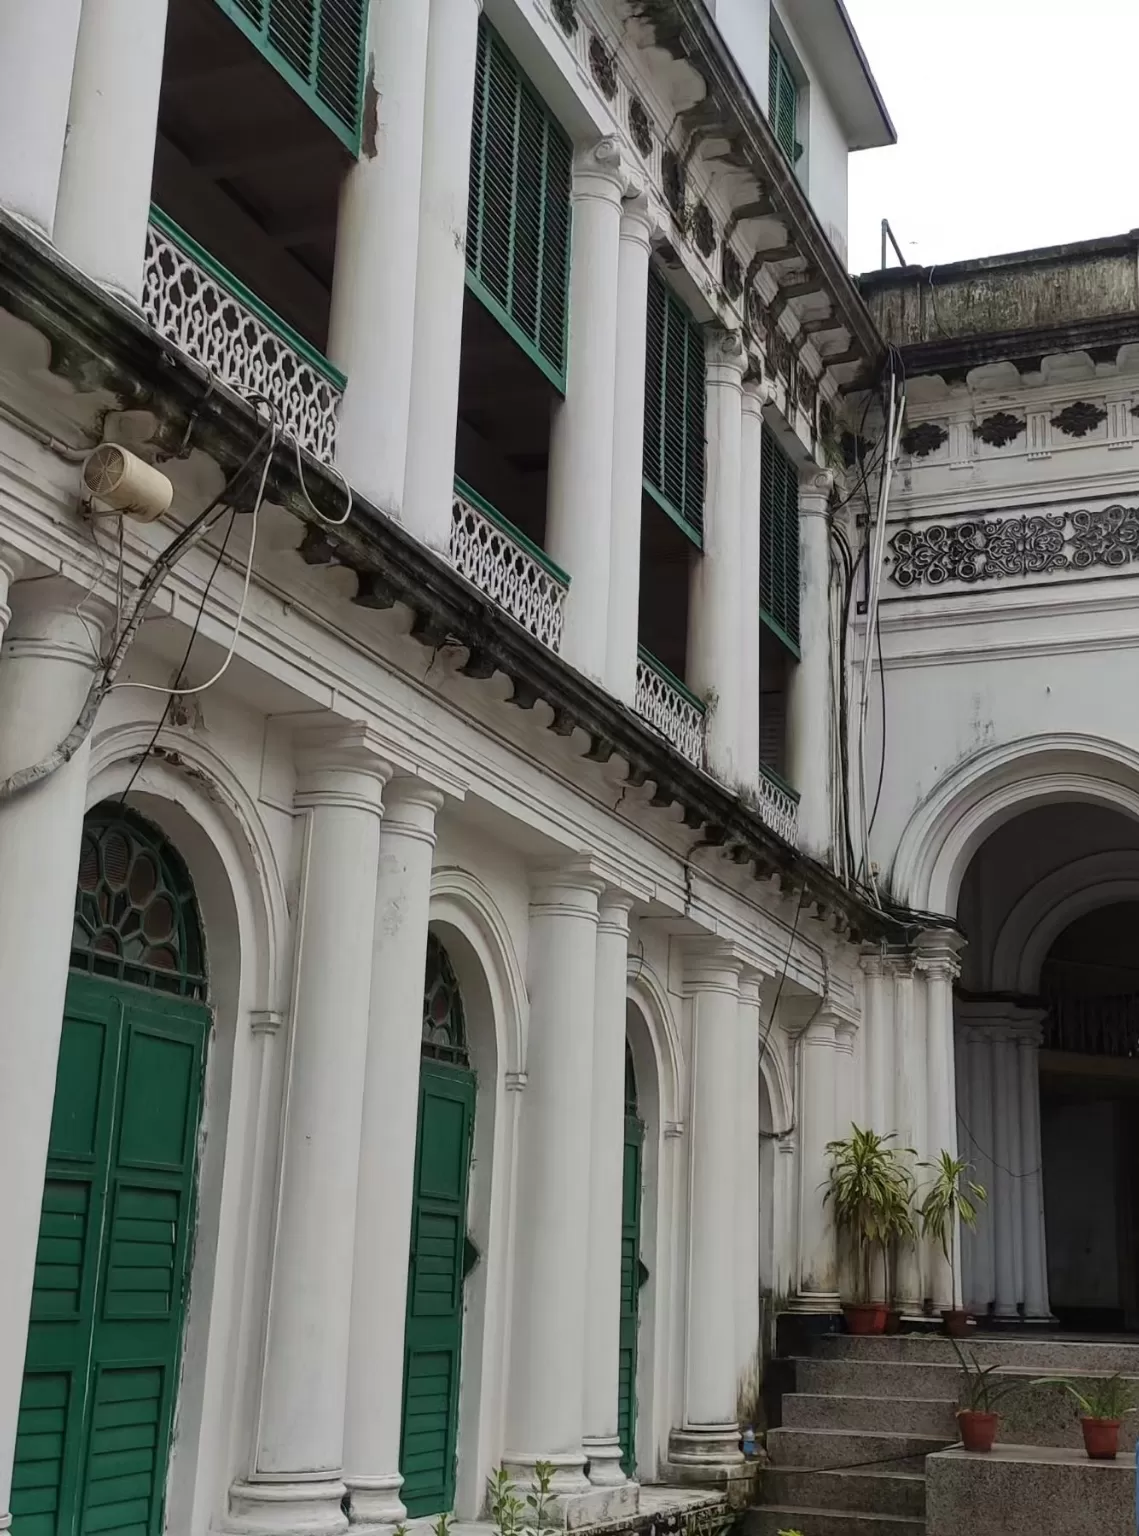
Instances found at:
x=790 y=1533
x=1110 y=1397
x=513 y=1515
x=442 y=1525
x=870 y=1191
x=951 y=1198
x=982 y=1389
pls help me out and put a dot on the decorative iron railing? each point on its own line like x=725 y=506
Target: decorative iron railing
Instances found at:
x=501 y=561
x=666 y=704
x=778 y=804
x=1094 y=1026
x=194 y=302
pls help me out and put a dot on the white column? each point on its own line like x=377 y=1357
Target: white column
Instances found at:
x=755 y=396
x=977 y=1148
x=909 y=1100
x=297 y=1482
x=877 y=1038
x=714 y=603
x=607 y=1114
x=108 y=161
x=747 y=1219
x=37 y=52
x=1006 y=1130
x=809 y=695
x=11 y=565
x=547 y=1355
x=440 y=284
x=373 y=1414
x=578 y=531
x=372 y=321
x=46 y=667
x=817 y=1282
x=709 y=1436
x=938 y=964
x=637 y=225
x=1036 y=1308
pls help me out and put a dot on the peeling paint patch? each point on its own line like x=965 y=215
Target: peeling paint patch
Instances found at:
x=370 y=118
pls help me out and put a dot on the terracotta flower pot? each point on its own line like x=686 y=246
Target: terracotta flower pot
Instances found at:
x=955 y=1322
x=1101 y=1438
x=865 y=1317
x=978 y=1430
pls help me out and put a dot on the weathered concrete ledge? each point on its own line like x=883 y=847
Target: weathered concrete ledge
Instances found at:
x=1023 y=1490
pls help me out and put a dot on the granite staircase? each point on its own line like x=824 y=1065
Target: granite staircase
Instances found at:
x=849 y=1456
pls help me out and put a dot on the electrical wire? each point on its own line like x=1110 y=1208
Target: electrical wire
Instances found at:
x=765 y=1035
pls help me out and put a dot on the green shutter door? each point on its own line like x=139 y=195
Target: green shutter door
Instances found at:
x=632 y=1277
x=675 y=404
x=434 y=1336
x=779 y=543
x=105 y=1338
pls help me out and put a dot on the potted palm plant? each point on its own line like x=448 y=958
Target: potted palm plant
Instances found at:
x=1103 y=1404
x=951 y=1199
x=979 y=1418
x=867 y=1190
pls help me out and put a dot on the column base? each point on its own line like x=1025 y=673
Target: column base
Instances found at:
x=603 y=1464
x=574 y=1500
x=817 y=1301
x=374 y=1502
x=710 y=1457
x=288 y=1509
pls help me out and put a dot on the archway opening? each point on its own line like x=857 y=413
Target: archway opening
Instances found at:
x=1047 y=1016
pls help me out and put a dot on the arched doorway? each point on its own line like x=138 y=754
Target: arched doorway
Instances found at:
x=441 y=1252
x=1047 y=1066
x=633 y=1271
x=108 y=1308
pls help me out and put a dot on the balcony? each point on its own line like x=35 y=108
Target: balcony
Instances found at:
x=191 y=300
x=667 y=705
x=778 y=805
x=501 y=561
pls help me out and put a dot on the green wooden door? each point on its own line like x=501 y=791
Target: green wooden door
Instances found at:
x=434 y=1336
x=105 y=1336
x=632 y=1278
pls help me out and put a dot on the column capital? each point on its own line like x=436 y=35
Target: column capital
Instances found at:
x=410 y=808
x=758 y=392
x=874 y=963
x=572 y=887
x=751 y=982
x=55 y=618
x=815 y=492
x=640 y=219
x=725 y=357
x=711 y=965
x=340 y=763
x=600 y=171
x=937 y=954
x=613 y=908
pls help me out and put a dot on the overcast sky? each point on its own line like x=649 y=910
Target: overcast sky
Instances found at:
x=1017 y=121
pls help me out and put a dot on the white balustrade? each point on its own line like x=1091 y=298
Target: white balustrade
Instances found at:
x=503 y=563
x=778 y=806
x=670 y=708
x=190 y=300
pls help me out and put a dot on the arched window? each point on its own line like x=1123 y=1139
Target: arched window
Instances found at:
x=136 y=918
x=444 y=1028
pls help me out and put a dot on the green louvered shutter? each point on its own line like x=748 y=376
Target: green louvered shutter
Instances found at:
x=518 y=219
x=782 y=103
x=318 y=47
x=674 y=408
x=779 y=543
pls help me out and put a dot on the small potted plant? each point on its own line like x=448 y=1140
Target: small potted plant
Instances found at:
x=947 y=1203
x=1103 y=1405
x=979 y=1418
x=868 y=1189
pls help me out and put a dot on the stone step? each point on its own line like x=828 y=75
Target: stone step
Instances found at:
x=878 y=1378
x=769 y=1521
x=851 y=1449
x=901 y=1415
x=1043 y=1355
x=876 y=1493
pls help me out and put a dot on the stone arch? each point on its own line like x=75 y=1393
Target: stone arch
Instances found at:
x=990 y=788
x=1041 y=915
x=469 y=924
x=198 y=803
x=651 y=1032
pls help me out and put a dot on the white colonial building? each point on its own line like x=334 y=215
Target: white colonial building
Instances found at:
x=431 y=959
x=1006 y=724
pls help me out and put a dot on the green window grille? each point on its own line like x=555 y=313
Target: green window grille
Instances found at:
x=779 y=543
x=136 y=918
x=318 y=47
x=674 y=408
x=518 y=220
x=783 y=104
